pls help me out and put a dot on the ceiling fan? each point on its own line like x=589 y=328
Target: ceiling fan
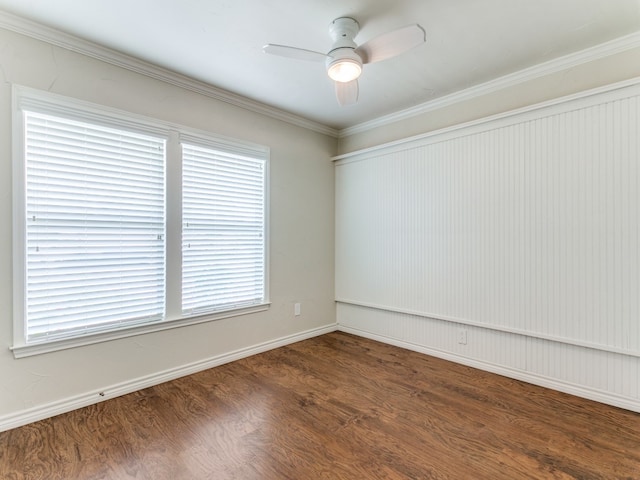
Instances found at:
x=345 y=59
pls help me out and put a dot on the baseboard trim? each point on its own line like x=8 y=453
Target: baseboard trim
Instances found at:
x=534 y=379
x=52 y=409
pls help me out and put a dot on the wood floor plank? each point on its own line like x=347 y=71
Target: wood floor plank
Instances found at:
x=333 y=407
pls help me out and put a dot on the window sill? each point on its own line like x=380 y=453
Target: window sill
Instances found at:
x=27 y=350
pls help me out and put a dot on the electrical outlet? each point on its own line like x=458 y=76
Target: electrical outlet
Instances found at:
x=462 y=336
x=296 y=309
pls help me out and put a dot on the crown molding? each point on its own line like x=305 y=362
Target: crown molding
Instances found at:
x=603 y=50
x=58 y=38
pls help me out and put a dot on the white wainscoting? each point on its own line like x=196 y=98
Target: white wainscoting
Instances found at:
x=523 y=229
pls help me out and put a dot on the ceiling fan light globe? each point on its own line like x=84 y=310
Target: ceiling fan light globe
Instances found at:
x=344 y=64
x=344 y=70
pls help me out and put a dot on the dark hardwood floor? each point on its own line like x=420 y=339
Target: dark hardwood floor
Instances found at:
x=333 y=407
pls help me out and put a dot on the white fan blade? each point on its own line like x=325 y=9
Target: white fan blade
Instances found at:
x=347 y=92
x=391 y=44
x=293 y=52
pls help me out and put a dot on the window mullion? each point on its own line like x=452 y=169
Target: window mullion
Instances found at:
x=174 y=226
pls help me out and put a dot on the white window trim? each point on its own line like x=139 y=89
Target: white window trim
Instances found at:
x=45 y=102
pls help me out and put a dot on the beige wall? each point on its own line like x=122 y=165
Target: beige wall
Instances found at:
x=301 y=230
x=604 y=71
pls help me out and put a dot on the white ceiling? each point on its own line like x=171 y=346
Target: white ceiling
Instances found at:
x=220 y=42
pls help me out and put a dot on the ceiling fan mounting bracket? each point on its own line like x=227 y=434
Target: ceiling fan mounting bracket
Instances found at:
x=343 y=30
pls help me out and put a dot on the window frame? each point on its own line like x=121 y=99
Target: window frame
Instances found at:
x=25 y=98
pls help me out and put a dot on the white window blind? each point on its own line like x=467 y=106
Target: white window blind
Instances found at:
x=95 y=228
x=223 y=237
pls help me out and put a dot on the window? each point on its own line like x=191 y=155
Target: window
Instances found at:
x=94 y=227
x=223 y=230
x=108 y=207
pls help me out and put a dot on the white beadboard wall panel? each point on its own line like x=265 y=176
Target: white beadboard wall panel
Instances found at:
x=531 y=226
x=597 y=370
x=525 y=228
